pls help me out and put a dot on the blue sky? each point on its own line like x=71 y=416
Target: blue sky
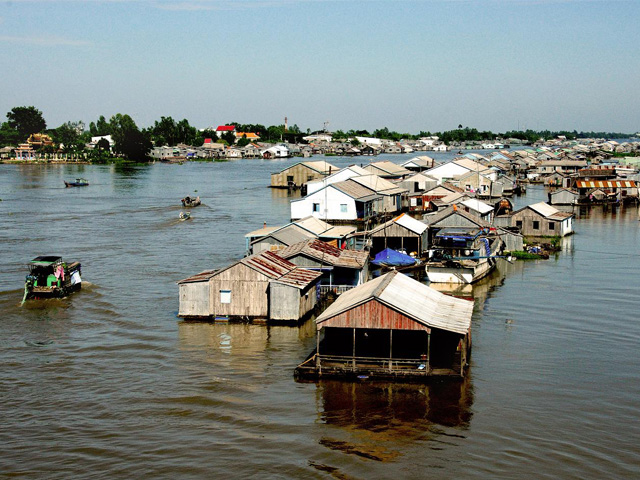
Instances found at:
x=407 y=65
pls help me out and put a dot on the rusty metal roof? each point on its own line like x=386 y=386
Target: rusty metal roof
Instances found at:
x=200 y=277
x=269 y=264
x=413 y=299
x=299 y=277
x=326 y=253
x=605 y=184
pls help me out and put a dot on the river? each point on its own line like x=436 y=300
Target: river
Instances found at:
x=109 y=383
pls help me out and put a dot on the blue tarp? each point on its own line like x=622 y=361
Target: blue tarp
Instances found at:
x=393 y=258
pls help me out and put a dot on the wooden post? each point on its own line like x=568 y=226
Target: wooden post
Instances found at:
x=390 y=349
x=317 y=348
x=428 y=352
x=353 y=358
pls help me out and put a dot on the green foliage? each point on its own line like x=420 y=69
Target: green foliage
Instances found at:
x=228 y=137
x=8 y=135
x=130 y=142
x=26 y=120
x=69 y=135
x=522 y=255
x=100 y=128
x=243 y=142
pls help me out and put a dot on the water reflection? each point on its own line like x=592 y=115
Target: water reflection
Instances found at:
x=390 y=407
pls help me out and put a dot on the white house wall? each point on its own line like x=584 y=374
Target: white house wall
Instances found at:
x=330 y=201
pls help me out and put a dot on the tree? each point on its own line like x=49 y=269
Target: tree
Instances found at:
x=68 y=134
x=100 y=128
x=243 y=142
x=8 y=135
x=130 y=142
x=26 y=120
x=229 y=137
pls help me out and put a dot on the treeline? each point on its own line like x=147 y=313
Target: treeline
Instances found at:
x=134 y=143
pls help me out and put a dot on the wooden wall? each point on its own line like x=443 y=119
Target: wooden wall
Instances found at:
x=249 y=292
x=194 y=300
x=290 y=303
x=373 y=314
x=301 y=174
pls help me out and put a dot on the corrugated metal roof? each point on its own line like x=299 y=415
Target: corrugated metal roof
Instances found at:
x=292 y=234
x=200 y=277
x=434 y=218
x=544 y=209
x=477 y=205
x=422 y=161
x=605 y=184
x=410 y=297
x=299 y=278
x=262 y=232
x=269 y=264
x=378 y=184
x=320 y=166
x=388 y=167
x=410 y=223
x=354 y=190
x=326 y=253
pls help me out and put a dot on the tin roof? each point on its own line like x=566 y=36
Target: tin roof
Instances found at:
x=434 y=218
x=355 y=190
x=477 y=205
x=404 y=220
x=416 y=300
x=200 y=277
x=605 y=184
x=378 y=184
x=299 y=277
x=269 y=264
x=387 y=167
x=326 y=253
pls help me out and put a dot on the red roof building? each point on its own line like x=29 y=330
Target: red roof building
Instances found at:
x=225 y=128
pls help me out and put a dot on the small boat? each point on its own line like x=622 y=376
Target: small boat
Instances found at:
x=50 y=277
x=80 y=182
x=390 y=258
x=190 y=202
x=184 y=216
x=463 y=255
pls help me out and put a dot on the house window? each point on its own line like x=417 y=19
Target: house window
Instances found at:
x=536 y=225
x=519 y=224
x=343 y=208
x=289 y=178
x=316 y=207
x=309 y=178
x=552 y=226
x=225 y=296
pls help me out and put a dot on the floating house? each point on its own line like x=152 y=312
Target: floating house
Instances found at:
x=387 y=169
x=338 y=176
x=341 y=268
x=477 y=208
x=619 y=189
x=563 y=196
x=538 y=220
x=355 y=199
x=301 y=173
x=400 y=233
x=263 y=286
x=277 y=238
x=392 y=327
x=418 y=164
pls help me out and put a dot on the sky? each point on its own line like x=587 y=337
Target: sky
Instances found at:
x=410 y=66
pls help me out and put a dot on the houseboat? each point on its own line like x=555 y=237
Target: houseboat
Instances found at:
x=462 y=255
x=50 y=277
x=79 y=182
x=393 y=328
